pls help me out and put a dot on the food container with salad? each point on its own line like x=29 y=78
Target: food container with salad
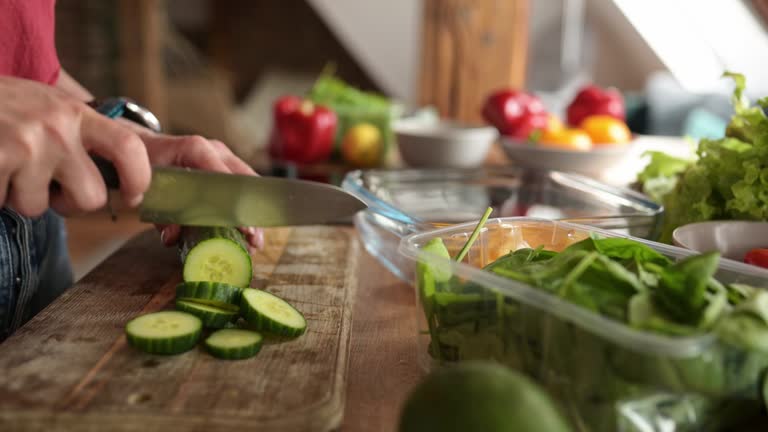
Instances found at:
x=626 y=334
x=401 y=202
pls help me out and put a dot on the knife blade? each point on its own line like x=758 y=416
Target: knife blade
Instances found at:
x=201 y=198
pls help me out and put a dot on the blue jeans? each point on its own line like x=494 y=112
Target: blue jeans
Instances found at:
x=34 y=266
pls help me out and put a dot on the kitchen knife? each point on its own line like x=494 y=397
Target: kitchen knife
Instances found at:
x=191 y=197
x=200 y=198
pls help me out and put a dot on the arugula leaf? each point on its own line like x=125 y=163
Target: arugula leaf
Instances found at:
x=621 y=249
x=474 y=235
x=682 y=289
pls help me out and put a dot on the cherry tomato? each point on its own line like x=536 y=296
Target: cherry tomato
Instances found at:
x=567 y=138
x=606 y=130
x=758 y=257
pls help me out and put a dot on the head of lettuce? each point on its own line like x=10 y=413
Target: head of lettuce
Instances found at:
x=728 y=178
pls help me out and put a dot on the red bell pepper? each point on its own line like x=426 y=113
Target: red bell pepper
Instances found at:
x=303 y=132
x=514 y=113
x=593 y=100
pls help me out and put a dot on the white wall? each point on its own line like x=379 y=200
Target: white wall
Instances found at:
x=385 y=37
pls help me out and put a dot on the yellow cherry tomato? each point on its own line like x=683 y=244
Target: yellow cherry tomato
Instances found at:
x=568 y=139
x=362 y=145
x=554 y=124
x=606 y=130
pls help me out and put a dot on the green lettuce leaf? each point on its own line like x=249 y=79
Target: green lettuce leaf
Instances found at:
x=729 y=179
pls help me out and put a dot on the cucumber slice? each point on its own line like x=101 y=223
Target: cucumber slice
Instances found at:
x=211 y=316
x=166 y=332
x=234 y=344
x=215 y=254
x=213 y=293
x=269 y=313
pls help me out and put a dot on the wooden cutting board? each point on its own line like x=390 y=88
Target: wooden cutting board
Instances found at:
x=70 y=368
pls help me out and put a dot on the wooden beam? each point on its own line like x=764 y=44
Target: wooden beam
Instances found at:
x=469 y=48
x=142 y=76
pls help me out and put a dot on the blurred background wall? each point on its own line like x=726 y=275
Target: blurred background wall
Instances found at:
x=214 y=67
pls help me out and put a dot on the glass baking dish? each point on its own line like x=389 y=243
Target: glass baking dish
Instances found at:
x=606 y=376
x=407 y=201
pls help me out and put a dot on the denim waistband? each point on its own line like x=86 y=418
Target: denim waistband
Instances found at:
x=15 y=268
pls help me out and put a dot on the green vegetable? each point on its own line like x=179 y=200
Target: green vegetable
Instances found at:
x=474 y=235
x=480 y=396
x=661 y=174
x=729 y=179
x=166 y=332
x=271 y=314
x=211 y=316
x=631 y=283
x=212 y=254
x=212 y=293
x=234 y=344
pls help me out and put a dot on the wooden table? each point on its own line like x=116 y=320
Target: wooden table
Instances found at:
x=383 y=366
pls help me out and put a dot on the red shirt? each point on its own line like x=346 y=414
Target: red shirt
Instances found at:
x=27 y=41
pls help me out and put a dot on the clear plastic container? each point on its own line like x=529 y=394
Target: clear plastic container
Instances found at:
x=403 y=202
x=607 y=376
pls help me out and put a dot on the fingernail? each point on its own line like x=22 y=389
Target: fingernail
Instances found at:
x=259 y=239
x=136 y=200
x=162 y=236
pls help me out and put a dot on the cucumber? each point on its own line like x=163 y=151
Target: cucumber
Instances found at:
x=213 y=293
x=166 y=332
x=269 y=313
x=211 y=316
x=214 y=254
x=234 y=344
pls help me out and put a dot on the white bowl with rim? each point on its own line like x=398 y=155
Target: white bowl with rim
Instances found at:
x=589 y=162
x=732 y=238
x=443 y=144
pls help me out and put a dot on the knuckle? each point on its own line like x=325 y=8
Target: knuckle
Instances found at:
x=197 y=143
x=92 y=198
x=127 y=143
x=25 y=146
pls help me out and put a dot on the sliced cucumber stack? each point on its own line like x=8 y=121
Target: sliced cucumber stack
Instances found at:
x=214 y=254
x=233 y=344
x=166 y=332
x=269 y=313
x=212 y=293
x=211 y=316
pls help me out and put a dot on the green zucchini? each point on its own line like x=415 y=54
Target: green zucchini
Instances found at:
x=269 y=313
x=234 y=344
x=214 y=293
x=214 y=254
x=211 y=316
x=165 y=332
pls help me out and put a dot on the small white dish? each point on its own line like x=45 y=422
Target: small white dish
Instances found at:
x=443 y=144
x=733 y=239
x=592 y=162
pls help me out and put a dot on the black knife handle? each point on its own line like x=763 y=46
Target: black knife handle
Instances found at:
x=107 y=171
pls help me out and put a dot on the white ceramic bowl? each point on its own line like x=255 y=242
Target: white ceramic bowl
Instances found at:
x=443 y=144
x=733 y=239
x=593 y=162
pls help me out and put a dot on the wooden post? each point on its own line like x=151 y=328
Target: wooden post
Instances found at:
x=470 y=48
x=141 y=64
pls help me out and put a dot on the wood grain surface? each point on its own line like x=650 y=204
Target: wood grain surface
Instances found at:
x=469 y=49
x=71 y=369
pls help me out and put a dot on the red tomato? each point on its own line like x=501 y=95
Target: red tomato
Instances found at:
x=758 y=257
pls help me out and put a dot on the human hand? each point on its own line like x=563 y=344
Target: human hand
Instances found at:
x=46 y=135
x=199 y=153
